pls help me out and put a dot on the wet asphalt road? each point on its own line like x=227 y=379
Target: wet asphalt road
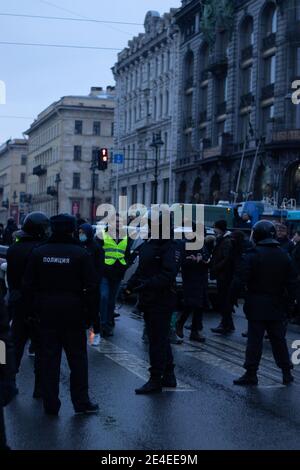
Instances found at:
x=205 y=412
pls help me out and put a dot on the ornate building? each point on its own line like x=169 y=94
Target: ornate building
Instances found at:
x=147 y=103
x=238 y=59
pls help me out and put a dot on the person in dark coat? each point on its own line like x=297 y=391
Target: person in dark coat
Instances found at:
x=221 y=269
x=1 y=234
x=296 y=265
x=267 y=275
x=155 y=281
x=24 y=325
x=117 y=257
x=8 y=388
x=60 y=281
x=10 y=228
x=87 y=240
x=194 y=270
x=282 y=237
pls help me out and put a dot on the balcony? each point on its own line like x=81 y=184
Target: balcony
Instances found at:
x=269 y=42
x=39 y=170
x=217 y=64
x=189 y=83
x=283 y=138
x=293 y=31
x=221 y=108
x=142 y=123
x=204 y=76
x=188 y=123
x=203 y=116
x=267 y=91
x=246 y=100
x=51 y=191
x=247 y=53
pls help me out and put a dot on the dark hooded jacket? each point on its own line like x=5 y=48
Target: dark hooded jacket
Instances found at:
x=267 y=275
x=94 y=249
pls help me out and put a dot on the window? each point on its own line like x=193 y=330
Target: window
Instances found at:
x=162 y=63
x=97 y=128
x=23 y=160
x=167 y=102
x=112 y=130
x=78 y=127
x=166 y=191
x=168 y=60
x=23 y=178
x=134 y=194
x=166 y=145
x=144 y=193
x=76 y=180
x=77 y=153
x=161 y=105
x=273 y=69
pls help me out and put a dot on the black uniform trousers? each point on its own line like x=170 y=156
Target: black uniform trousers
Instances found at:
x=224 y=304
x=73 y=342
x=3 y=445
x=22 y=331
x=160 y=352
x=197 y=318
x=276 y=331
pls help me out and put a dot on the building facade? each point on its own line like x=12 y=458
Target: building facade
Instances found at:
x=63 y=143
x=239 y=132
x=146 y=104
x=13 y=179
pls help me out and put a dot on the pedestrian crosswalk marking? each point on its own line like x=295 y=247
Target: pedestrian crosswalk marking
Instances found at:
x=133 y=364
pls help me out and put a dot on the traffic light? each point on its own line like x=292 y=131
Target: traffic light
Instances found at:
x=103 y=159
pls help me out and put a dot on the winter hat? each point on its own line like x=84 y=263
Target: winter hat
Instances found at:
x=221 y=225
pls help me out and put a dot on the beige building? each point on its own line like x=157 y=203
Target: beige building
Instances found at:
x=13 y=168
x=63 y=141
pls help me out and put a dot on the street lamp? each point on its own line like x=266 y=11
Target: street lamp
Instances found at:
x=57 y=182
x=156 y=144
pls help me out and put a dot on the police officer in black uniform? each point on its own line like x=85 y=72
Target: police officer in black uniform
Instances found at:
x=34 y=232
x=155 y=281
x=267 y=275
x=60 y=282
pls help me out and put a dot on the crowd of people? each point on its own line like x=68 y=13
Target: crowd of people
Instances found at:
x=62 y=279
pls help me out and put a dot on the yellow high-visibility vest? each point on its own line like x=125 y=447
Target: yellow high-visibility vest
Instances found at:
x=114 y=251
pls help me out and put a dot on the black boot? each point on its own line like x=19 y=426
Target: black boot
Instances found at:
x=154 y=385
x=249 y=378
x=287 y=377
x=179 y=330
x=196 y=336
x=169 y=380
x=222 y=329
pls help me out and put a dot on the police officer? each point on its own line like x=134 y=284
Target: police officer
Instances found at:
x=155 y=281
x=267 y=275
x=34 y=231
x=60 y=281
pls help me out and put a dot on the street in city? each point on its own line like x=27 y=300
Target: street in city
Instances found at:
x=206 y=411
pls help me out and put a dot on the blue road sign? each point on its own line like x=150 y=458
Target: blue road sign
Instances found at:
x=118 y=159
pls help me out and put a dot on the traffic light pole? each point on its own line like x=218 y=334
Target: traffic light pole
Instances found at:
x=93 y=199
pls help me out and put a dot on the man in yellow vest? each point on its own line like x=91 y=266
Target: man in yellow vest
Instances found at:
x=116 y=252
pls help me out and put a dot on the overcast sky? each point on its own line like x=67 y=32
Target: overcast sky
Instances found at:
x=35 y=77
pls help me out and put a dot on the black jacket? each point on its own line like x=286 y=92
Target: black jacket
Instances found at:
x=221 y=266
x=268 y=277
x=59 y=283
x=17 y=258
x=286 y=245
x=159 y=262
x=194 y=277
x=8 y=233
x=296 y=258
x=7 y=370
x=96 y=253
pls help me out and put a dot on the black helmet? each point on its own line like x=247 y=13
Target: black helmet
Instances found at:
x=36 y=224
x=263 y=230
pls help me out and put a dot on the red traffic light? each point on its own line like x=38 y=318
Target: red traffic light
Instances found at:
x=103 y=159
